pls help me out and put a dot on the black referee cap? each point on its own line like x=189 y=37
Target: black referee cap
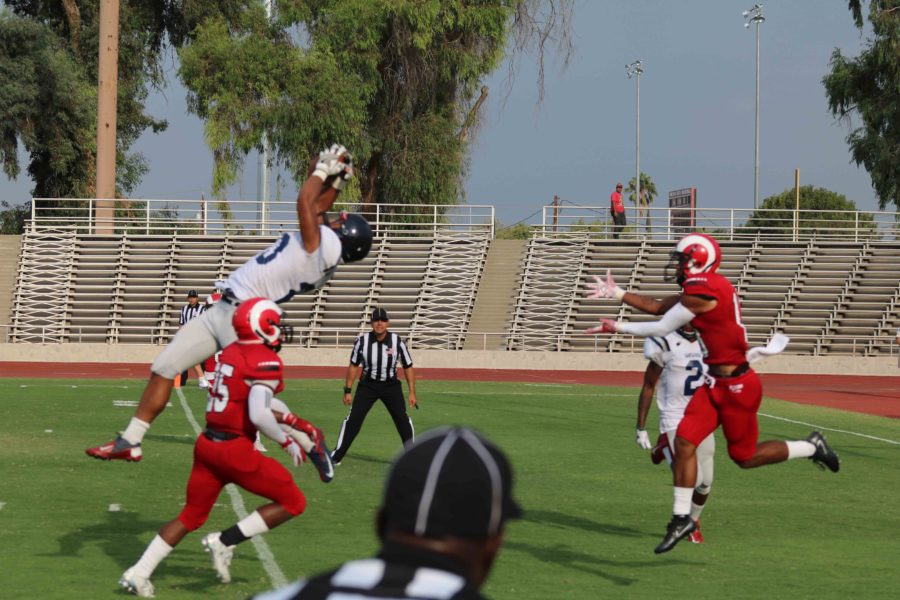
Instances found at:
x=450 y=482
x=192 y=294
x=379 y=314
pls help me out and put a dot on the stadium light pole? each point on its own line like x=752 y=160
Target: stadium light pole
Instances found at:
x=634 y=70
x=755 y=16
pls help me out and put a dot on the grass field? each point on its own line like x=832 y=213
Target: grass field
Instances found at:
x=595 y=506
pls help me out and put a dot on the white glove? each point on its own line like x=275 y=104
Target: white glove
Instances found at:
x=605 y=289
x=294 y=450
x=642 y=439
x=334 y=161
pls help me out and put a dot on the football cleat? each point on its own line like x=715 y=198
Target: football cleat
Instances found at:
x=221 y=556
x=824 y=456
x=696 y=537
x=136 y=584
x=320 y=456
x=118 y=449
x=678 y=528
x=259 y=445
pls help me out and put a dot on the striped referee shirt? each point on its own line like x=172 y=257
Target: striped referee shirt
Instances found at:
x=188 y=312
x=379 y=360
x=399 y=572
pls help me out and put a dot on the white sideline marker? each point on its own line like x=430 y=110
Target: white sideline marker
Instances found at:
x=2 y=504
x=127 y=403
x=862 y=435
x=115 y=507
x=276 y=575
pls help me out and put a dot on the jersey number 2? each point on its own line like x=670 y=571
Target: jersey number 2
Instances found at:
x=694 y=379
x=218 y=394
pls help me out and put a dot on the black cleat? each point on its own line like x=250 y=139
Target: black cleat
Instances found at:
x=678 y=528
x=824 y=456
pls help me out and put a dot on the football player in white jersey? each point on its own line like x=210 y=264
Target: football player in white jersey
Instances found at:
x=675 y=371
x=297 y=262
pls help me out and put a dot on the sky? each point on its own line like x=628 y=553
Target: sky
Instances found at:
x=697 y=113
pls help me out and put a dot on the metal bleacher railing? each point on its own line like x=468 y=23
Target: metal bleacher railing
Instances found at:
x=244 y=217
x=725 y=223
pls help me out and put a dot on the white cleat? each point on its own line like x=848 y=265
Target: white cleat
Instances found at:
x=221 y=556
x=136 y=584
x=259 y=445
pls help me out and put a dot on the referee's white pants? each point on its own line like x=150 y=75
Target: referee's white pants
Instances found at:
x=199 y=339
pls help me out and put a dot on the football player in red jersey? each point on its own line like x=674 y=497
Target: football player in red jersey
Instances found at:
x=240 y=403
x=732 y=394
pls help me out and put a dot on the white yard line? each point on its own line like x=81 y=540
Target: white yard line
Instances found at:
x=276 y=576
x=820 y=427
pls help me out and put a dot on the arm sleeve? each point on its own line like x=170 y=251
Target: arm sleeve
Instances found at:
x=674 y=318
x=405 y=356
x=276 y=404
x=181 y=320
x=259 y=406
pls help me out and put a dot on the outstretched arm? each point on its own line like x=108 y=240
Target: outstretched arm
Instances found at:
x=330 y=171
x=607 y=288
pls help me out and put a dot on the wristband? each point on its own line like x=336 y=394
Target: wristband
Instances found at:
x=320 y=174
x=619 y=293
x=348 y=390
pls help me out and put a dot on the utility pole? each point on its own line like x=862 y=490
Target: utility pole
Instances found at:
x=107 y=95
x=262 y=174
x=555 y=213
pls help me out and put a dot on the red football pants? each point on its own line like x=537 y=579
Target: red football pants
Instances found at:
x=235 y=461
x=732 y=402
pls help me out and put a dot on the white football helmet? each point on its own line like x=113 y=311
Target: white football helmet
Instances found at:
x=694 y=254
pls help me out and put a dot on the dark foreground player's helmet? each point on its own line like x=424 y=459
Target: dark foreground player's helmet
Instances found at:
x=356 y=237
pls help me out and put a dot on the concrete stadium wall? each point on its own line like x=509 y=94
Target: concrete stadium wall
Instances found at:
x=448 y=359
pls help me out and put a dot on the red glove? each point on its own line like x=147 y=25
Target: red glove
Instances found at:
x=606 y=326
x=292 y=420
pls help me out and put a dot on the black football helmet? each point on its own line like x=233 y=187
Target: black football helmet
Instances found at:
x=356 y=237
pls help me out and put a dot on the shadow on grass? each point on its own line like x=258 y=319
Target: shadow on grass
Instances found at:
x=559 y=519
x=124 y=536
x=367 y=458
x=560 y=555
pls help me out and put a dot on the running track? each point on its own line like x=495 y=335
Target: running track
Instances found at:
x=865 y=394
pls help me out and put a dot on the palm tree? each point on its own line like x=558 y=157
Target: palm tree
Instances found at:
x=648 y=194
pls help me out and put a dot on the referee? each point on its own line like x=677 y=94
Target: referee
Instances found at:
x=446 y=503
x=189 y=311
x=377 y=355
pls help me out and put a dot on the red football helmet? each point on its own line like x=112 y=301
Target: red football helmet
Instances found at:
x=695 y=253
x=261 y=321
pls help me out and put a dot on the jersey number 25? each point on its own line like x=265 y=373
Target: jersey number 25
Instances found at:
x=218 y=393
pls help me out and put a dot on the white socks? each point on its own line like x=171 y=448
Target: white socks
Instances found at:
x=800 y=449
x=252 y=524
x=134 y=433
x=682 y=505
x=153 y=555
x=696 y=509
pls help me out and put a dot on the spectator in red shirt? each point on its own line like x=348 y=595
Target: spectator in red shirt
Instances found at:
x=617 y=210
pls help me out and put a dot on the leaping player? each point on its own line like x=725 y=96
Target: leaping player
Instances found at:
x=676 y=370
x=732 y=394
x=298 y=262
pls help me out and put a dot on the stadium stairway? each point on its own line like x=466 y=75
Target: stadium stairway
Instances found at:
x=495 y=298
x=10 y=246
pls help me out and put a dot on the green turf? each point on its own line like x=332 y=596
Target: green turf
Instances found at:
x=595 y=506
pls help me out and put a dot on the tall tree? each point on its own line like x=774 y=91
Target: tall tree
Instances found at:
x=53 y=45
x=822 y=212
x=868 y=86
x=397 y=81
x=648 y=194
